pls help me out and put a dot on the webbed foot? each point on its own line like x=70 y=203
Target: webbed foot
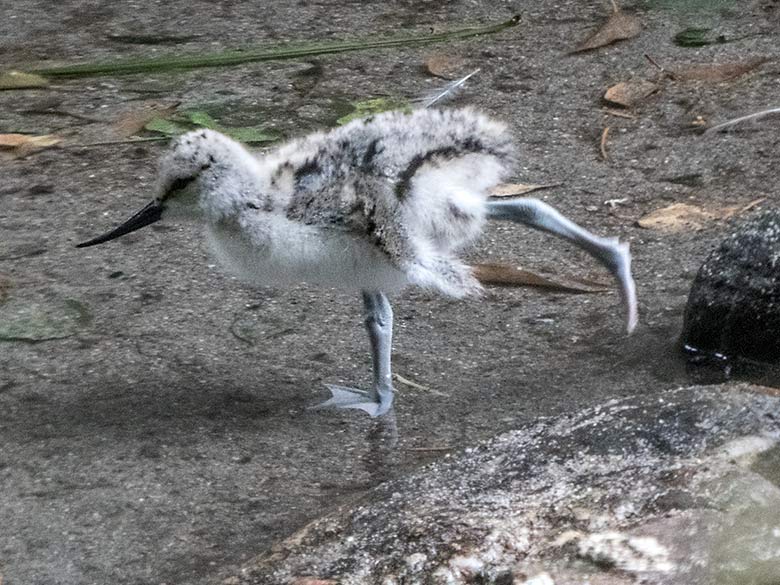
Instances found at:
x=375 y=404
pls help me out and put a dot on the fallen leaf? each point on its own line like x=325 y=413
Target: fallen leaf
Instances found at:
x=250 y=134
x=717 y=72
x=619 y=26
x=518 y=189
x=373 y=106
x=32 y=322
x=285 y=50
x=21 y=80
x=202 y=119
x=504 y=275
x=445 y=66
x=22 y=144
x=186 y=121
x=163 y=126
x=630 y=93
x=697 y=37
x=682 y=216
x=134 y=121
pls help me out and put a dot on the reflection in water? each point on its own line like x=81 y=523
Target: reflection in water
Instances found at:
x=382 y=458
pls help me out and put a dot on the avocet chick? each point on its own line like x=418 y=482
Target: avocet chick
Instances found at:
x=374 y=206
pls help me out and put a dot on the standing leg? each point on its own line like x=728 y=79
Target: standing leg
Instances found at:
x=611 y=253
x=379 y=324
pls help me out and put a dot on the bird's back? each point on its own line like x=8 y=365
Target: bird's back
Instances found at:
x=428 y=165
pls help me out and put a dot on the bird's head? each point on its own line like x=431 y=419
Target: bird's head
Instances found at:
x=193 y=161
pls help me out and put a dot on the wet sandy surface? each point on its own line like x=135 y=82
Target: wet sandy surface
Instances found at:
x=154 y=445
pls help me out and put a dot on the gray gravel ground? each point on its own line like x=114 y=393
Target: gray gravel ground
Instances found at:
x=683 y=472
x=151 y=445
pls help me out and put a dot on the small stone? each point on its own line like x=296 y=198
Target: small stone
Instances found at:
x=416 y=561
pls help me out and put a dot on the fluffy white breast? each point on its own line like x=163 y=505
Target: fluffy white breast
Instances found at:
x=271 y=250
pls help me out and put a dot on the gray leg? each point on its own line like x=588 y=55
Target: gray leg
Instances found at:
x=611 y=253
x=379 y=324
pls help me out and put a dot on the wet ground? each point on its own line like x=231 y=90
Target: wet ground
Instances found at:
x=163 y=436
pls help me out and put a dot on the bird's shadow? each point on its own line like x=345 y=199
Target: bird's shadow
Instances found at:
x=180 y=415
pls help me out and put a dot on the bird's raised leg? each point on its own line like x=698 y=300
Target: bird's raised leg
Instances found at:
x=379 y=324
x=611 y=253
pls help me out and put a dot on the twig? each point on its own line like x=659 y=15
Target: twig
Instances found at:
x=615 y=7
x=751 y=205
x=405 y=381
x=618 y=113
x=604 y=136
x=408 y=382
x=424 y=449
x=269 y=53
x=113 y=142
x=754 y=116
x=657 y=66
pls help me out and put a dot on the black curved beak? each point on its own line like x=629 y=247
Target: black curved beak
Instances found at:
x=149 y=214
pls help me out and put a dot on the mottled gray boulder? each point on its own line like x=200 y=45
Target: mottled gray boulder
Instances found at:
x=734 y=306
x=675 y=488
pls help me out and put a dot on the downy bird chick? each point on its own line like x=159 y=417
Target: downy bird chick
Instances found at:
x=379 y=204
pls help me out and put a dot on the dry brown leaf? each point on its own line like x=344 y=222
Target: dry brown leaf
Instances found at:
x=133 y=122
x=22 y=144
x=445 y=66
x=504 y=275
x=682 y=216
x=630 y=93
x=518 y=189
x=717 y=72
x=619 y=26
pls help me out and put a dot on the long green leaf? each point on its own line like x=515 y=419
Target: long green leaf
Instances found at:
x=271 y=53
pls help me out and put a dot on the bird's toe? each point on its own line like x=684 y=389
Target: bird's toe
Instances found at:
x=344 y=397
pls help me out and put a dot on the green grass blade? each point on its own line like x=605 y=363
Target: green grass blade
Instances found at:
x=271 y=53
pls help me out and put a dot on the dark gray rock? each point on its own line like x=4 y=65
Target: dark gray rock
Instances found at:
x=733 y=309
x=680 y=487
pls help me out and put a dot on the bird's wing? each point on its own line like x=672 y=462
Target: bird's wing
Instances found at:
x=372 y=162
